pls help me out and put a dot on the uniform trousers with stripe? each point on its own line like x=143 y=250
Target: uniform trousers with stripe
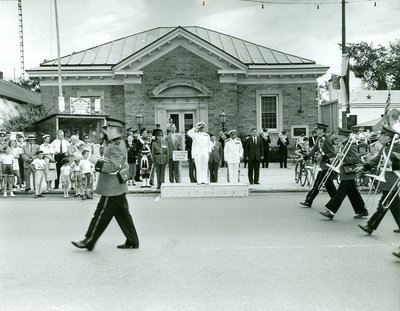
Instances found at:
x=347 y=188
x=329 y=185
x=377 y=217
x=233 y=172
x=107 y=208
x=201 y=162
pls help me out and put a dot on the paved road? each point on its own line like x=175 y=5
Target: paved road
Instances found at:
x=263 y=252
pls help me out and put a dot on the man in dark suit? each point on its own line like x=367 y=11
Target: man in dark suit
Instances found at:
x=174 y=142
x=254 y=154
x=28 y=154
x=113 y=202
x=215 y=159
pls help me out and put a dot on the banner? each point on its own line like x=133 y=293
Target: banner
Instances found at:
x=343 y=96
x=79 y=105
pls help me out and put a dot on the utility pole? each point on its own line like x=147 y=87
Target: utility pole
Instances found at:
x=21 y=40
x=346 y=78
x=61 y=105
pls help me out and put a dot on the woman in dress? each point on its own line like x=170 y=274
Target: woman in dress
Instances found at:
x=48 y=156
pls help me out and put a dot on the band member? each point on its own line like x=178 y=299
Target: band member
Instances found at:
x=323 y=150
x=349 y=158
x=312 y=140
x=201 y=147
x=113 y=202
x=283 y=142
x=385 y=138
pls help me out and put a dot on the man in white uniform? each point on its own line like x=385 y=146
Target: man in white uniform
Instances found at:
x=233 y=153
x=201 y=149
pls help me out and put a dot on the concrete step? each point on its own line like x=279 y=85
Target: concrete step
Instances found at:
x=185 y=190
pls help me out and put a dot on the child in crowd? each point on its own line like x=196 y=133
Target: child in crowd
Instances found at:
x=77 y=176
x=38 y=166
x=145 y=164
x=8 y=173
x=87 y=170
x=16 y=151
x=65 y=176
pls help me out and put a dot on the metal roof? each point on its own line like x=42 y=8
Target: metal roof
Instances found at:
x=17 y=93
x=111 y=53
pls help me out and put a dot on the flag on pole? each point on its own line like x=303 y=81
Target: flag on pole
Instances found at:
x=343 y=96
x=386 y=118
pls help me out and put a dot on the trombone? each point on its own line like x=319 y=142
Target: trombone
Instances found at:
x=392 y=192
x=372 y=181
x=381 y=177
x=337 y=162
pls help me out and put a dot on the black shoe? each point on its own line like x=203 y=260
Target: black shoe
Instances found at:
x=82 y=244
x=396 y=230
x=41 y=195
x=27 y=189
x=257 y=183
x=327 y=214
x=127 y=246
x=366 y=228
x=396 y=254
x=361 y=215
x=306 y=204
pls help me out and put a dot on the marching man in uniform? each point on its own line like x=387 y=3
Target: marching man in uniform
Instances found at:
x=113 y=202
x=201 y=148
x=233 y=153
x=325 y=151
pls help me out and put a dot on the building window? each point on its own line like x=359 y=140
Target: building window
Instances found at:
x=269 y=112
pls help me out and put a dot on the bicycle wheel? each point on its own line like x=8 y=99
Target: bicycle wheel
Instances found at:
x=303 y=175
x=297 y=172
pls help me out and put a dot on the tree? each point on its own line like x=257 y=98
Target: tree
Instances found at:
x=30 y=84
x=375 y=65
x=23 y=122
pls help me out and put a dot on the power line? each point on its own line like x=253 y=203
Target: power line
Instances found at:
x=321 y=2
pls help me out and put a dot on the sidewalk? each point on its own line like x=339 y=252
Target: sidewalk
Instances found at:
x=272 y=179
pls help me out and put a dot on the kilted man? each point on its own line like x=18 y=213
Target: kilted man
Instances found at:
x=201 y=147
x=385 y=138
x=113 y=202
x=323 y=150
x=347 y=187
x=233 y=153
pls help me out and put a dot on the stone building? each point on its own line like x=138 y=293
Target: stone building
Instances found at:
x=186 y=74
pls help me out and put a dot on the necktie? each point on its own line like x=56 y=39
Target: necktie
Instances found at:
x=254 y=140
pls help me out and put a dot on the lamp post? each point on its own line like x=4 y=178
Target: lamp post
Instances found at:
x=300 y=108
x=139 y=120
x=222 y=119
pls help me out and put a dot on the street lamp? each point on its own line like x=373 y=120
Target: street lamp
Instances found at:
x=222 y=119
x=139 y=120
x=301 y=108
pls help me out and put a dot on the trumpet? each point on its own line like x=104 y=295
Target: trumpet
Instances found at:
x=336 y=163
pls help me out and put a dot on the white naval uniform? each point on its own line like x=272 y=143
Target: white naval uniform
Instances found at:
x=201 y=147
x=233 y=151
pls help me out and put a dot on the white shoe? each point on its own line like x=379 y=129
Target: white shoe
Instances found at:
x=5 y=194
x=12 y=194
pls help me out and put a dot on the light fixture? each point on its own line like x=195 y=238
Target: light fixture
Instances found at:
x=262 y=6
x=300 y=108
x=317 y=6
x=139 y=120
x=375 y=3
x=222 y=119
x=204 y=3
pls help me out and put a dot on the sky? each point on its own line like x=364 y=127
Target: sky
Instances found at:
x=299 y=29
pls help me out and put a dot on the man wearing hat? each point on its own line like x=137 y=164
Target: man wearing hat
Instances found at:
x=323 y=150
x=113 y=202
x=233 y=153
x=201 y=147
x=3 y=142
x=347 y=187
x=385 y=138
x=28 y=154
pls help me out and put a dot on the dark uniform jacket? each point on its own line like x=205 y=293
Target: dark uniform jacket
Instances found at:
x=323 y=145
x=159 y=151
x=390 y=177
x=216 y=153
x=114 y=160
x=351 y=159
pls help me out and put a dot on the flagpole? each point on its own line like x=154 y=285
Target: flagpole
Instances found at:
x=346 y=77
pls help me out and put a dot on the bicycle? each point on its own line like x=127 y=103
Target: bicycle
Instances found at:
x=300 y=171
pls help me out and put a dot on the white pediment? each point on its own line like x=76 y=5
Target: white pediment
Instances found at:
x=178 y=38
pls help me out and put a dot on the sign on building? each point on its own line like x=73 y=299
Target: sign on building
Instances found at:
x=80 y=105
